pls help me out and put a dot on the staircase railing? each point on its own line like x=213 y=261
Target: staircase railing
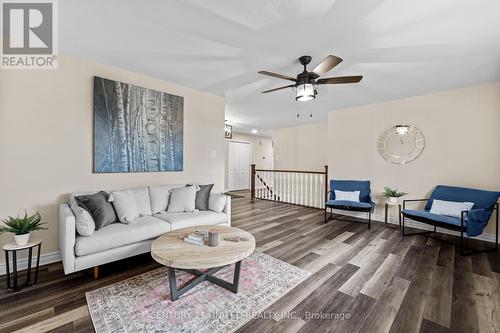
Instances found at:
x=304 y=188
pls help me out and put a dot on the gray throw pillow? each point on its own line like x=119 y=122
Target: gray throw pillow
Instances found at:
x=203 y=196
x=100 y=209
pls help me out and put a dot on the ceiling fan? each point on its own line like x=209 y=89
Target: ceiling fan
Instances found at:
x=307 y=82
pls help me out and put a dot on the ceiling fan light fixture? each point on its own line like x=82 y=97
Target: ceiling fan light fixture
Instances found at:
x=305 y=92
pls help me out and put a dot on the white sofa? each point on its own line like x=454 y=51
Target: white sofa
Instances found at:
x=118 y=241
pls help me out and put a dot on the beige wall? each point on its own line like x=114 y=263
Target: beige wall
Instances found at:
x=462 y=142
x=262 y=151
x=301 y=147
x=46 y=125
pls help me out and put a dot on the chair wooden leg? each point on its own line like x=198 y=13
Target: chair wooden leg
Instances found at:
x=95 y=271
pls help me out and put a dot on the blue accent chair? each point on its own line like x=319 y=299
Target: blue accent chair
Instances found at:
x=365 y=203
x=471 y=222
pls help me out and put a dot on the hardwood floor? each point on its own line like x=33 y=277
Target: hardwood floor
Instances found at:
x=381 y=281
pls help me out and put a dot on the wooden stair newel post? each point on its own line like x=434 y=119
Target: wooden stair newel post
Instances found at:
x=252 y=181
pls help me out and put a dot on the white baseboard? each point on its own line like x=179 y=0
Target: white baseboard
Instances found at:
x=413 y=224
x=45 y=259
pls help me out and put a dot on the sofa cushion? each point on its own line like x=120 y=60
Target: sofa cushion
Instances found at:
x=480 y=198
x=141 y=198
x=423 y=214
x=189 y=219
x=125 y=206
x=363 y=186
x=100 y=209
x=118 y=234
x=182 y=199
x=217 y=202
x=344 y=204
x=159 y=196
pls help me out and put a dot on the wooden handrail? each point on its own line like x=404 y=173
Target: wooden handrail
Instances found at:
x=292 y=171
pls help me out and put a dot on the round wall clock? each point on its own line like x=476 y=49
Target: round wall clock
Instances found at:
x=401 y=144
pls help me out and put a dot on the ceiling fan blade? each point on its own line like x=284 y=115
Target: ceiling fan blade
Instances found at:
x=327 y=64
x=279 y=76
x=340 y=79
x=292 y=85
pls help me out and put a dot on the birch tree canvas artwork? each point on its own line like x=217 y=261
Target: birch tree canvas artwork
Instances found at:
x=136 y=129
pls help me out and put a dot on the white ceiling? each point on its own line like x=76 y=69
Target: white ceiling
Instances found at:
x=402 y=47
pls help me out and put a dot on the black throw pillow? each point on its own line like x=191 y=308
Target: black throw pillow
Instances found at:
x=202 y=196
x=98 y=207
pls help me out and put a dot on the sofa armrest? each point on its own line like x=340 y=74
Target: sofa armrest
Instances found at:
x=413 y=200
x=227 y=209
x=67 y=237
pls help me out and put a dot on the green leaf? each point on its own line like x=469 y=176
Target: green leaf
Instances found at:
x=22 y=225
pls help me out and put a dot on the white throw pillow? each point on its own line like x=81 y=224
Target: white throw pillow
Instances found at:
x=450 y=208
x=347 y=195
x=125 y=206
x=85 y=225
x=182 y=199
x=160 y=196
x=217 y=202
x=141 y=197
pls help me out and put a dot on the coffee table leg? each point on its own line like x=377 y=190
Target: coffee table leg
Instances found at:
x=173 y=283
x=236 y=278
x=175 y=292
x=226 y=285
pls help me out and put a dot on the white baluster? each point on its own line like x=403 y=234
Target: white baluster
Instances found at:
x=321 y=191
x=309 y=182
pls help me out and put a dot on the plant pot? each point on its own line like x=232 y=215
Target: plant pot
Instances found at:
x=393 y=199
x=22 y=239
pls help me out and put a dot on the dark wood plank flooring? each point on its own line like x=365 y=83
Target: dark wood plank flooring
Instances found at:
x=362 y=280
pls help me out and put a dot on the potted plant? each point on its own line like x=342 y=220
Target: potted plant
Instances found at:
x=393 y=194
x=22 y=226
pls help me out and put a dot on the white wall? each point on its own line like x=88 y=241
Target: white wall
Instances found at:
x=46 y=125
x=462 y=142
x=301 y=147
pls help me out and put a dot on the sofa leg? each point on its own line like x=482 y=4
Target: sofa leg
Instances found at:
x=95 y=271
x=369 y=220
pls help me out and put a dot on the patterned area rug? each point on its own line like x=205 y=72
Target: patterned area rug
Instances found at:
x=142 y=303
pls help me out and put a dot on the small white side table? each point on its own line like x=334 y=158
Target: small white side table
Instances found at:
x=387 y=204
x=13 y=248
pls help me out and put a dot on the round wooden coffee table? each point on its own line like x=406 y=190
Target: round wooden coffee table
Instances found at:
x=171 y=250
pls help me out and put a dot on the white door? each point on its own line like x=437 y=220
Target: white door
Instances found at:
x=238 y=165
